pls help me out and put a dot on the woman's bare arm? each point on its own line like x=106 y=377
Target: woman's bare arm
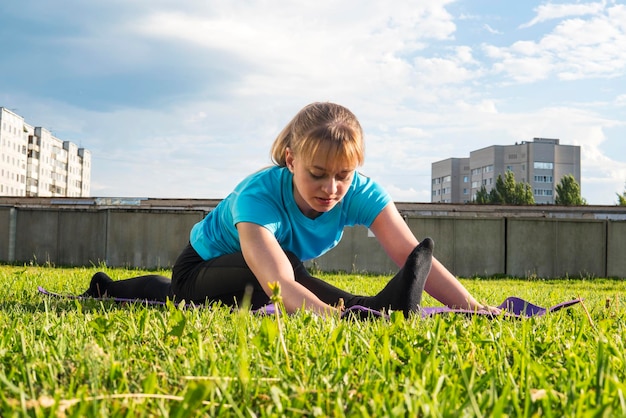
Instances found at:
x=269 y=263
x=396 y=238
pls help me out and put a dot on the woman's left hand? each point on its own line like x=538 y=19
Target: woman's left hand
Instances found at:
x=493 y=310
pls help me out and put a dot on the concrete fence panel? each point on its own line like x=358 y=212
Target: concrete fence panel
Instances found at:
x=555 y=247
x=466 y=246
x=82 y=238
x=441 y=230
x=479 y=246
x=37 y=236
x=358 y=251
x=616 y=249
x=147 y=239
x=7 y=238
x=580 y=248
x=369 y=256
x=531 y=247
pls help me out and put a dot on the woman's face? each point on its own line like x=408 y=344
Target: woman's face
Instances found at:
x=318 y=184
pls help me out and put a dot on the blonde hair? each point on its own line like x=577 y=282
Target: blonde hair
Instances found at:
x=321 y=126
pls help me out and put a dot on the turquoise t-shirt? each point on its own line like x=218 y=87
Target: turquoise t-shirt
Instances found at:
x=266 y=198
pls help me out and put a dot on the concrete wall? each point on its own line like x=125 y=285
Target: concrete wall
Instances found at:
x=466 y=246
x=6 y=235
x=59 y=237
x=147 y=238
x=484 y=247
x=358 y=252
x=37 y=235
x=129 y=238
x=616 y=249
x=556 y=248
x=469 y=243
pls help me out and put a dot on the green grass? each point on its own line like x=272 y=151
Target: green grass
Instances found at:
x=68 y=358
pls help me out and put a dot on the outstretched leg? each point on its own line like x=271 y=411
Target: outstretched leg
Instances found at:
x=149 y=287
x=403 y=292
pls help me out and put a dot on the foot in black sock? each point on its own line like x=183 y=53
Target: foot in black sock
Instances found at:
x=404 y=291
x=98 y=286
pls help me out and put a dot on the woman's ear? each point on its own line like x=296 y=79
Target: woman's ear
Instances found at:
x=289 y=157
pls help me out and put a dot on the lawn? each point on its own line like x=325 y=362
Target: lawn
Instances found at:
x=70 y=358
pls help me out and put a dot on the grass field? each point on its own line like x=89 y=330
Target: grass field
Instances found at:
x=68 y=358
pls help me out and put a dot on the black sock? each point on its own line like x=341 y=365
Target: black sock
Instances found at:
x=98 y=286
x=404 y=291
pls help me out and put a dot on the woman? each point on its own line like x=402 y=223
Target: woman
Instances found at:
x=293 y=211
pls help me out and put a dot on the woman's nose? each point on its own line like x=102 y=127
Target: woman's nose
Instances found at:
x=330 y=186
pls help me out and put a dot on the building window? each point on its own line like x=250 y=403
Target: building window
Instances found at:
x=543 y=192
x=543 y=166
x=465 y=179
x=543 y=179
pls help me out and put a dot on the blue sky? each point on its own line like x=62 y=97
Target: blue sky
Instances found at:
x=183 y=99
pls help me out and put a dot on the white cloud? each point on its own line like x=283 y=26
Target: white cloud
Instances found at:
x=407 y=194
x=227 y=76
x=574 y=49
x=491 y=30
x=620 y=100
x=308 y=47
x=456 y=68
x=552 y=11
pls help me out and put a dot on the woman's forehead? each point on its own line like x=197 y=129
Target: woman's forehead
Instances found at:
x=328 y=162
x=330 y=158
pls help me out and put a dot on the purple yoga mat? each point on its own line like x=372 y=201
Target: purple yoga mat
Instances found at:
x=511 y=307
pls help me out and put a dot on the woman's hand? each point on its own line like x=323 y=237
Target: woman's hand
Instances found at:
x=493 y=310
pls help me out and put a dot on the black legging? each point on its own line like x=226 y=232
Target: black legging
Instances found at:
x=224 y=279
x=229 y=280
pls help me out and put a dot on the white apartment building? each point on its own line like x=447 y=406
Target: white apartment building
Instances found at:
x=542 y=163
x=33 y=162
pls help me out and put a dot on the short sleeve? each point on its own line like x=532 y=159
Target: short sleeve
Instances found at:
x=367 y=199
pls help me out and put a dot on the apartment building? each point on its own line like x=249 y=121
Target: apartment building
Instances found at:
x=542 y=163
x=33 y=162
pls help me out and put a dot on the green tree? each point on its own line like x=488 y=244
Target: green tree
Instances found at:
x=621 y=198
x=523 y=194
x=568 y=192
x=497 y=193
x=510 y=188
x=506 y=191
x=482 y=196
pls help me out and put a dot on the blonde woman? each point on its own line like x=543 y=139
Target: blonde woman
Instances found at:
x=294 y=211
